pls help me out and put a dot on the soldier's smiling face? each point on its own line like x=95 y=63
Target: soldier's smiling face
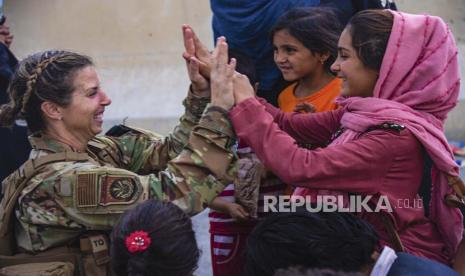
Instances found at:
x=84 y=115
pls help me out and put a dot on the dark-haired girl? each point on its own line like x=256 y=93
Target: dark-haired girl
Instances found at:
x=305 y=46
x=155 y=238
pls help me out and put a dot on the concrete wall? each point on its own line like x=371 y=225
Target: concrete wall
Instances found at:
x=137 y=47
x=453 y=12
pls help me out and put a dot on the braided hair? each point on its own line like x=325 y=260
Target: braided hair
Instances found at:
x=44 y=76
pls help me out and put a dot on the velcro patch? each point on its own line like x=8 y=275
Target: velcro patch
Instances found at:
x=106 y=193
x=86 y=190
x=117 y=189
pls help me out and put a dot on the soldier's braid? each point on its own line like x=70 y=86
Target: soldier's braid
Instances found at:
x=32 y=80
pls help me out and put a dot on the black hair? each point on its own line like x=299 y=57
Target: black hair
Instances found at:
x=318 y=29
x=244 y=65
x=370 y=31
x=173 y=249
x=44 y=76
x=338 y=241
x=299 y=271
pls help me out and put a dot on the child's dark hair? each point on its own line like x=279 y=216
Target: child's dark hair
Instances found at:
x=370 y=31
x=338 y=241
x=298 y=271
x=244 y=65
x=173 y=249
x=318 y=29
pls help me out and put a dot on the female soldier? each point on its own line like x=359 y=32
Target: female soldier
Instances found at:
x=75 y=182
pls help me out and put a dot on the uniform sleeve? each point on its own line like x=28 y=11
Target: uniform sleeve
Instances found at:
x=144 y=152
x=356 y=166
x=87 y=195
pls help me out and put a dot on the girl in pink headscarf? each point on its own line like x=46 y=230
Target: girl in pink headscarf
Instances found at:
x=400 y=79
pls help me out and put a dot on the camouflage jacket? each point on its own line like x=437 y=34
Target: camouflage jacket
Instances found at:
x=65 y=199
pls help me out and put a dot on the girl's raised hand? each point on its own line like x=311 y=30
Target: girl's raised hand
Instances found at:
x=243 y=90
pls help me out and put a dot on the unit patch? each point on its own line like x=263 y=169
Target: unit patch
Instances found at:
x=117 y=189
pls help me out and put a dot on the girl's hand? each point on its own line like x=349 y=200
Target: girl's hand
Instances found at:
x=222 y=76
x=305 y=108
x=243 y=90
x=237 y=212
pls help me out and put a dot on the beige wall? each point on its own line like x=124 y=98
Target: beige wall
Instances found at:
x=453 y=12
x=137 y=47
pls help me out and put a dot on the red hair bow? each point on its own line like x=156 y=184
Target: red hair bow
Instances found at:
x=138 y=241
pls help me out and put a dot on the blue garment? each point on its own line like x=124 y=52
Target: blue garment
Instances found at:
x=409 y=265
x=14 y=145
x=8 y=63
x=247 y=23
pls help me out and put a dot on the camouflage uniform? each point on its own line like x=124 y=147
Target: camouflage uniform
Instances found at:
x=66 y=199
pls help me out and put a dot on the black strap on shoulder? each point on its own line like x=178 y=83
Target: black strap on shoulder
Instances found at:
x=118 y=130
x=387 y=126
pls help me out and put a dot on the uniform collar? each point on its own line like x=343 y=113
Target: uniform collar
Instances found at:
x=42 y=142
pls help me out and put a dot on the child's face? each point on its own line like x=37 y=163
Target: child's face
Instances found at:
x=293 y=59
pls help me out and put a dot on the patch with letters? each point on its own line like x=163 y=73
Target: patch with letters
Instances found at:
x=117 y=189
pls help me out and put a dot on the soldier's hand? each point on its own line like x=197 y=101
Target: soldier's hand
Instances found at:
x=222 y=76
x=243 y=90
x=200 y=85
x=195 y=48
x=305 y=108
x=238 y=212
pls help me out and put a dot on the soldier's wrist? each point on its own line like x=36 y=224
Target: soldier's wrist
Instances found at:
x=216 y=119
x=195 y=103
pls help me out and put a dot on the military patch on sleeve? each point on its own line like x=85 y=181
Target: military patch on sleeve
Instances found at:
x=117 y=189
x=107 y=192
x=86 y=190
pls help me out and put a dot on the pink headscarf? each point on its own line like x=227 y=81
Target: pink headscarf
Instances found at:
x=417 y=87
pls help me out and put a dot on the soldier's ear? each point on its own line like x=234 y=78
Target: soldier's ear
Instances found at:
x=51 y=110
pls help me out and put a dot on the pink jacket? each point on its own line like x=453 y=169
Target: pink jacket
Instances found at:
x=379 y=162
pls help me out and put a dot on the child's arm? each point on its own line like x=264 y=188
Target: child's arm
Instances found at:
x=235 y=210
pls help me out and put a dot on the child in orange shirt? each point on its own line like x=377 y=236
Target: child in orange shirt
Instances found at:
x=305 y=46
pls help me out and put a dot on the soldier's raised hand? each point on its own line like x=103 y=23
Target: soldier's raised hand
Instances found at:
x=195 y=48
x=222 y=76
